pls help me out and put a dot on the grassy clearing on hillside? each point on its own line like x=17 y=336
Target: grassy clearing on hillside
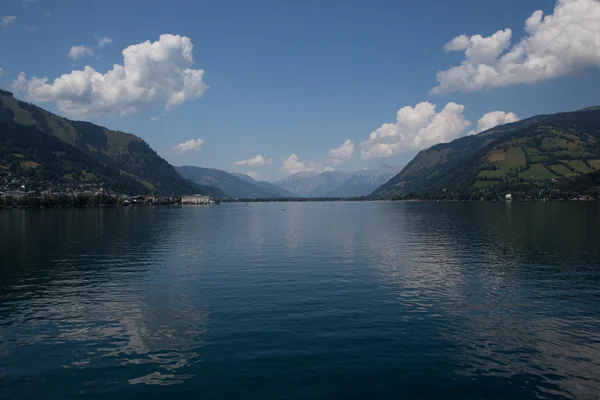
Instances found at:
x=21 y=116
x=497 y=155
x=18 y=155
x=580 y=166
x=569 y=153
x=29 y=164
x=491 y=174
x=562 y=170
x=536 y=172
x=515 y=157
x=88 y=176
x=554 y=143
x=573 y=146
x=127 y=174
x=62 y=130
x=118 y=141
x=537 y=159
x=595 y=163
x=148 y=184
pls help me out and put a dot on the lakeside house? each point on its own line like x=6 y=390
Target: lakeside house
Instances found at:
x=197 y=199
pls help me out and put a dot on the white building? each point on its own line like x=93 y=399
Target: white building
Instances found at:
x=196 y=199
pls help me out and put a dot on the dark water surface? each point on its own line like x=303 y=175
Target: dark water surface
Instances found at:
x=320 y=301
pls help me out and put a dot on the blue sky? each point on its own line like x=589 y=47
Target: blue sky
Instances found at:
x=302 y=77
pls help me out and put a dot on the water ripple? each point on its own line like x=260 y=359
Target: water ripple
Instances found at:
x=348 y=300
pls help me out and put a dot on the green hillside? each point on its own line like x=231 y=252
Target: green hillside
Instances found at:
x=36 y=158
x=537 y=153
x=126 y=152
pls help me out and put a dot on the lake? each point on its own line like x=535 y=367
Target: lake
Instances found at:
x=302 y=301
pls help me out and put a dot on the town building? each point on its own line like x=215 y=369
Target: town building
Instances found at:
x=196 y=199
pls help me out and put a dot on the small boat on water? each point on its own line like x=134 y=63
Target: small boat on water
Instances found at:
x=508 y=197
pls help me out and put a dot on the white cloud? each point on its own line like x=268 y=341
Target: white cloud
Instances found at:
x=1 y=72
x=493 y=119
x=153 y=118
x=343 y=153
x=19 y=84
x=564 y=42
x=152 y=73
x=103 y=41
x=192 y=144
x=79 y=51
x=253 y=174
x=8 y=20
x=293 y=165
x=416 y=129
x=255 y=161
x=48 y=14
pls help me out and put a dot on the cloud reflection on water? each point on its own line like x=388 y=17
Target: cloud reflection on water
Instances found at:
x=479 y=269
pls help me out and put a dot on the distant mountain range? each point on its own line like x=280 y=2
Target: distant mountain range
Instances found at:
x=545 y=151
x=269 y=187
x=302 y=184
x=337 y=183
x=43 y=146
x=234 y=186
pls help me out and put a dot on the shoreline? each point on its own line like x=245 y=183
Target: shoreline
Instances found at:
x=241 y=201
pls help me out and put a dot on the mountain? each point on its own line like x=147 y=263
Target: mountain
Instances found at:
x=311 y=184
x=538 y=152
x=41 y=161
x=232 y=185
x=337 y=183
x=130 y=155
x=270 y=187
x=207 y=190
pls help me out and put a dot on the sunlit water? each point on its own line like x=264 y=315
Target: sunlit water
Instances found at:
x=317 y=301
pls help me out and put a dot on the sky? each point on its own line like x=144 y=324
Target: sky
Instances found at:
x=271 y=88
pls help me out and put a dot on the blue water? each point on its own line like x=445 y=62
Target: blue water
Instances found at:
x=320 y=301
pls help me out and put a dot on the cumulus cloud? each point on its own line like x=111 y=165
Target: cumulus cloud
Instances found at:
x=293 y=165
x=493 y=119
x=79 y=51
x=416 y=128
x=1 y=72
x=153 y=118
x=8 y=20
x=343 y=153
x=152 y=73
x=192 y=144
x=253 y=174
x=19 y=84
x=564 y=42
x=255 y=161
x=103 y=41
